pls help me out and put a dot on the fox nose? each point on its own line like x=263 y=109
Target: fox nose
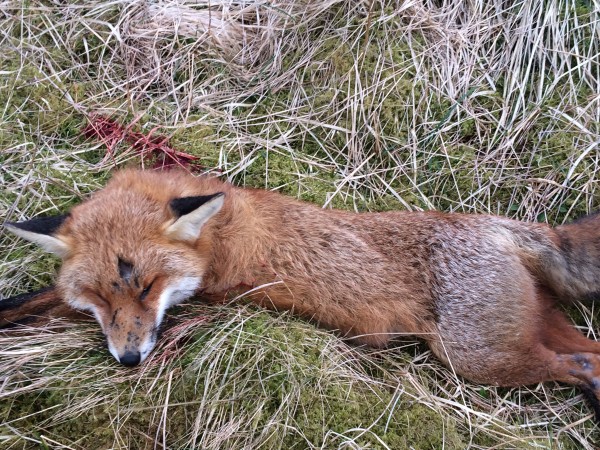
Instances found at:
x=130 y=359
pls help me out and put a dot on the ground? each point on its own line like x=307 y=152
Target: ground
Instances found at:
x=482 y=107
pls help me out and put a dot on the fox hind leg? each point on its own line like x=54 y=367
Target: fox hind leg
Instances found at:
x=559 y=334
x=577 y=358
x=583 y=370
x=543 y=348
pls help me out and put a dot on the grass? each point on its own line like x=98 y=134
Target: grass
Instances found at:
x=488 y=107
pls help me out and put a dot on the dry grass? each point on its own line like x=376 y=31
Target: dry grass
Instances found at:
x=481 y=106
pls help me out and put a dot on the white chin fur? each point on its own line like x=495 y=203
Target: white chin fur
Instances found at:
x=81 y=305
x=113 y=350
x=147 y=347
x=175 y=293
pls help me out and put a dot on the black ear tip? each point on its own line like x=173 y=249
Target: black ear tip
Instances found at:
x=185 y=205
x=40 y=225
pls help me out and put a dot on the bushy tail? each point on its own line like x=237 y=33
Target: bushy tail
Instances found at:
x=570 y=263
x=35 y=309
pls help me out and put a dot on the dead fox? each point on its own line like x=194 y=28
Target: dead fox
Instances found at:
x=482 y=291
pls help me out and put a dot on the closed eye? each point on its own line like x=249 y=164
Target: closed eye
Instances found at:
x=145 y=292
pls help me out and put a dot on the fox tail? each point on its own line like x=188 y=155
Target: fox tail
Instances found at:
x=567 y=258
x=35 y=309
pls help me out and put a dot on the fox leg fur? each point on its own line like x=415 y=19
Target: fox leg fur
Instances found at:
x=548 y=348
x=575 y=359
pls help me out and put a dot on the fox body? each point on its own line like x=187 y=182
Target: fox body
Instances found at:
x=481 y=290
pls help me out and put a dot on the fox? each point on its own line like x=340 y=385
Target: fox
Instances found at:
x=484 y=292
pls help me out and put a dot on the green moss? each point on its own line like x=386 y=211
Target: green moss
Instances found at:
x=199 y=141
x=361 y=416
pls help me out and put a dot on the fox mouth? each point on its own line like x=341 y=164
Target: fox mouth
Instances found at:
x=131 y=357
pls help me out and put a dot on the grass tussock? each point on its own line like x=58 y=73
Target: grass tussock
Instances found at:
x=483 y=106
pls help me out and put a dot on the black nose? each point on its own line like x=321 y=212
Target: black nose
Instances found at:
x=130 y=359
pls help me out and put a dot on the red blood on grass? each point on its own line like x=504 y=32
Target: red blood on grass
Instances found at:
x=148 y=145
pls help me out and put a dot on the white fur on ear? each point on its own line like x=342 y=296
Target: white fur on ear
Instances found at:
x=47 y=242
x=188 y=226
x=42 y=231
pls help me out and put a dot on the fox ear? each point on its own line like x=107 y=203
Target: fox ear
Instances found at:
x=192 y=213
x=42 y=231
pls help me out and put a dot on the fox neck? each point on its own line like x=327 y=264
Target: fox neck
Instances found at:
x=278 y=253
x=240 y=243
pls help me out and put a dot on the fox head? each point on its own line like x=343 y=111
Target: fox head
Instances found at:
x=128 y=255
